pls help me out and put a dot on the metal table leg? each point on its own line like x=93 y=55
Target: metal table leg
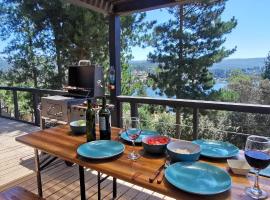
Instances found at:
x=114 y=188
x=99 y=182
x=39 y=184
x=82 y=183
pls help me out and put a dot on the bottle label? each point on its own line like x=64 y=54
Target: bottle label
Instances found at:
x=102 y=123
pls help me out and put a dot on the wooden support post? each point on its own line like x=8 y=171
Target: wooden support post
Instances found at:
x=0 y=108
x=15 y=102
x=178 y=122
x=134 y=110
x=114 y=50
x=36 y=113
x=195 y=123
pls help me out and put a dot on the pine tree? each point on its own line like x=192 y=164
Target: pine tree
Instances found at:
x=266 y=73
x=187 y=45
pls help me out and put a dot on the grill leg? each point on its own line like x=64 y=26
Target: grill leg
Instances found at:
x=39 y=184
x=114 y=188
x=82 y=183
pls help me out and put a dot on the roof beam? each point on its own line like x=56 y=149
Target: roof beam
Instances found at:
x=131 y=6
x=95 y=5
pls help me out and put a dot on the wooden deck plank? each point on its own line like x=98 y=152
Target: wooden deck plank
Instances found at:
x=59 y=181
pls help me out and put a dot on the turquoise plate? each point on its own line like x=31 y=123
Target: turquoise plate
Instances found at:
x=198 y=178
x=142 y=135
x=100 y=149
x=217 y=149
x=264 y=172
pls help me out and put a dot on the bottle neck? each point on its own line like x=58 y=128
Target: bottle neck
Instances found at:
x=89 y=103
x=103 y=102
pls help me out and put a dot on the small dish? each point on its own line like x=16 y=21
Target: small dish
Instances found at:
x=240 y=167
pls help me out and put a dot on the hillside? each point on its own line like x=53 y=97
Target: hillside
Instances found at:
x=220 y=70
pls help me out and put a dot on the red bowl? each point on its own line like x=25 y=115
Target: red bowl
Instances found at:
x=155 y=144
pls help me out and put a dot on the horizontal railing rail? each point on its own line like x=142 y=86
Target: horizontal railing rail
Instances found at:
x=36 y=95
x=196 y=105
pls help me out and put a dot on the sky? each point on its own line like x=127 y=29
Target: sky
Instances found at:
x=251 y=36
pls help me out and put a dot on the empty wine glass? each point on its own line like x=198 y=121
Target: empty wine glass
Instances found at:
x=257 y=153
x=132 y=128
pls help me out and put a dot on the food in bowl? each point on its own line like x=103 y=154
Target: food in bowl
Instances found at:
x=155 y=144
x=181 y=150
x=78 y=127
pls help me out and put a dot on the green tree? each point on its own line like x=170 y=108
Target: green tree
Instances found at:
x=266 y=73
x=187 y=45
x=68 y=33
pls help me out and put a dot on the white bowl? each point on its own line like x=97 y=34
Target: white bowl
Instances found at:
x=240 y=167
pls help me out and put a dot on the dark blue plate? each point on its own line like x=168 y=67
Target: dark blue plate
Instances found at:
x=217 y=149
x=198 y=178
x=101 y=149
x=143 y=134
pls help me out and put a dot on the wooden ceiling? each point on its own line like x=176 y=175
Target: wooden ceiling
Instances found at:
x=125 y=7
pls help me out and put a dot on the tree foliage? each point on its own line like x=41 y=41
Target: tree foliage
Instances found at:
x=46 y=36
x=187 y=45
x=266 y=73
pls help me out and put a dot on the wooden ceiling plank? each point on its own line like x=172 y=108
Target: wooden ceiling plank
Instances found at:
x=126 y=7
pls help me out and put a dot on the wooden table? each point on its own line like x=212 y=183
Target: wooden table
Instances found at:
x=59 y=142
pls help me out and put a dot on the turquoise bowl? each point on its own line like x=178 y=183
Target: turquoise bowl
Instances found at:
x=183 y=151
x=78 y=127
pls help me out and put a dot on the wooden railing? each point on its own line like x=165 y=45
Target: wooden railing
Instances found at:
x=177 y=104
x=36 y=95
x=196 y=105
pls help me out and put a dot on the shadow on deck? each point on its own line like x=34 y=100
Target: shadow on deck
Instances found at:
x=59 y=181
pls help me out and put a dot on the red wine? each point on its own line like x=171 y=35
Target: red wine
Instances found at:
x=257 y=159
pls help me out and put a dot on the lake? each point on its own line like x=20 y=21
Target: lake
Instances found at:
x=154 y=93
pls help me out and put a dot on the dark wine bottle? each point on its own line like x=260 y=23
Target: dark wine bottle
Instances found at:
x=104 y=121
x=90 y=122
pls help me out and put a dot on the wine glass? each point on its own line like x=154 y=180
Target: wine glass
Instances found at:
x=257 y=153
x=132 y=128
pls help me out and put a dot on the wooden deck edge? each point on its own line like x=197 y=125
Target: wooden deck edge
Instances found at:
x=16 y=181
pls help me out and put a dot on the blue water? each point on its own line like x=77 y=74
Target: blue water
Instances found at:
x=155 y=93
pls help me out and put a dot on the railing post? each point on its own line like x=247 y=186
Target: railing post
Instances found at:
x=35 y=105
x=0 y=107
x=15 y=102
x=134 y=110
x=195 y=123
x=178 y=122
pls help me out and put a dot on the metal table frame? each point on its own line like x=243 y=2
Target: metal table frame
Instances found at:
x=41 y=165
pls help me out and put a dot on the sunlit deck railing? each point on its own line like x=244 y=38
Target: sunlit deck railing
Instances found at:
x=177 y=104
x=195 y=105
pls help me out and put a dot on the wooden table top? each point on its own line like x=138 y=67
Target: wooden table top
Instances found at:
x=60 y=142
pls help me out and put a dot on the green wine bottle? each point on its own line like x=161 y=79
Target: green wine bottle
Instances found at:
x=104 y=121
x=90 y=122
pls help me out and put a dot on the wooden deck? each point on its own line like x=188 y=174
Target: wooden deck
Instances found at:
x=59 y=181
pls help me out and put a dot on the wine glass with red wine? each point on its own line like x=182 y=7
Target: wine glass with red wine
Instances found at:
x=132 y=128
x=257 y=153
